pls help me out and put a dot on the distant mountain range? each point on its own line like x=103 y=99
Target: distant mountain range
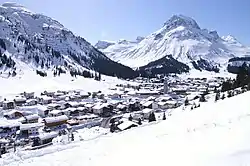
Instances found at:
x=31 y=41
x=181 y=38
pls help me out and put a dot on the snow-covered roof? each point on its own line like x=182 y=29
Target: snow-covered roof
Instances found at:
x=31 y=117
x=30 y=126
x=8 y=123
x=171 y=102
x=100 y=106
x=151 y=98
x=56 y=112
x=74 y=104
x=11 y=112
x=126 y=124
x=56 y=119
x=89 y=105
x=121 y=106
x=148 y=103
x=147 y=110
x=162 y=103
x=44 y=97
x=49 y=135
x=89 y=116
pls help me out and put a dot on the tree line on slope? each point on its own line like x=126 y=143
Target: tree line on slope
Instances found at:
x=242 y=79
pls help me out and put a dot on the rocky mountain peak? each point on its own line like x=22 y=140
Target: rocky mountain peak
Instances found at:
x=181 y=20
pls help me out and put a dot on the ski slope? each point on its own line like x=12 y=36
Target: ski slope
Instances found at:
x=215 y=134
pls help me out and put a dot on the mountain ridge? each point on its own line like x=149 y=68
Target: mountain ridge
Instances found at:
x=185 y=40
x=43 y=43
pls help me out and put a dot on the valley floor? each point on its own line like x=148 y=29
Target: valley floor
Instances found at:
x=214 y=134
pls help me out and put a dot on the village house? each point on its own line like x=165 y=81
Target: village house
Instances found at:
x=146 y=112
x=31 y=102
x=53 y=106
x=28 y=95
x=29 y=119
x=126 y=125
x=8 y=128
x=19 y=100
x=42 y=110
x=103 y=109
x=30 y=129
x=58 y=122
x=89 y=107
x=44 y=139
x=13 y=114
x=122 y=107
x=134 y=105
x=48 y=93
x=45 y=99
x=8 y=105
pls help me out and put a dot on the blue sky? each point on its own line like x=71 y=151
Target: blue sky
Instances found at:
x=126 y=19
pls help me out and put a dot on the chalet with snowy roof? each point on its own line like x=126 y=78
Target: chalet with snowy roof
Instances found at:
x=42 y=110
x=126 y=125
x=8 y=105
x=19 y=100
x=8 y=127
x=45 y=99
x=44 y=139
x=28 y=95
x=122 y=107
x=134 y=105
x=13 y=114
x=29 y=119
x=30 y=129
x=89 y=107
x=56 y=122
x=146 y=112
x=103 y=109
x=55 y=113
x=149 y=104
x=31 y=102
x=48 y=93
x=53 y=106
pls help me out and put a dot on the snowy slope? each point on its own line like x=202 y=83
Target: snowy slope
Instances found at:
x=31 y=82
x=110 y=48
x=216 y=134
x=42 y=42
x=182 y=38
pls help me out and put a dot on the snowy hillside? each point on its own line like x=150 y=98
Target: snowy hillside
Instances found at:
x=110 y=48
x=182 y=38
x=216 y=134
x=43 y=43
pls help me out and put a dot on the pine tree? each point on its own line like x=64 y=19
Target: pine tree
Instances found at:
x=215 y=90
x=223 y=96
x=130 y=117
x=186 y=102
x=229 y=94
x=217 y=96
x=202 y=98
x=164 y=116
x=139 y=121
x=151 y=117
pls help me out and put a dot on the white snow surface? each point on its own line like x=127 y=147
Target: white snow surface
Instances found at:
x=216 y=134
x=30 y=82
x=182 y=38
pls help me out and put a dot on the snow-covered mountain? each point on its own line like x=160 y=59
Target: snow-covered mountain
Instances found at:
x=182 y=38
x=35 y=41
